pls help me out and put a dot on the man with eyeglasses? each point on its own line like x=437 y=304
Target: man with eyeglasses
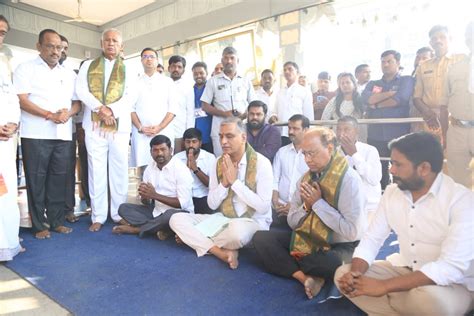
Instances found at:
x=154 y=111
x=47 y=100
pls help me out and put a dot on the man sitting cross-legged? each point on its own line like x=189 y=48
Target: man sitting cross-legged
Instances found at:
x=241 y=188
x=326 y=214
x=166 y=189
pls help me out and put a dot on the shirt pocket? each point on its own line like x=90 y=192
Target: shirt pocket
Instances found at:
x=222 y=94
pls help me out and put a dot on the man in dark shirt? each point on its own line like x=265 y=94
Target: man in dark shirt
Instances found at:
x=202 y=119
x=388 y=98
x=323 y=95
x=263 y=137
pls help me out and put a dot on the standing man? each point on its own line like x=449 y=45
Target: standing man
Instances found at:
x=108 y=94
x=185 y=102
x=288 y=167
x=199 y=163
x=47 y=100
x=65 y=44
x=291 y=99
x=422 y=55
x=460 y=100
x=322 y=96
x=431 y=81
x=362 y=74
x=240 y=188
x=433 y=273
x=229 y=92
x=263 y=137
x=265 y=92
x=388 y=97
x=154 y=111
x=203 y=121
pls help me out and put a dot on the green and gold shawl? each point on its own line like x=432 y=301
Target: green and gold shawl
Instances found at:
x=227 y=207
x=115 y=88
x=312 y=234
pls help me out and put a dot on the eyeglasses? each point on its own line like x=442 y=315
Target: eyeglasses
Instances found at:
x=148 y=57
x=54 y=47
x=309 y=154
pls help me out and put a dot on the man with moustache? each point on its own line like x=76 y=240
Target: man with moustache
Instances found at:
x=165 y=190
x=47 y=100
x=263 y=137
x=108 y=93
x=203 y=121
x=199 y=163
x=326 y=214
x=265 y=92
x=433 y=273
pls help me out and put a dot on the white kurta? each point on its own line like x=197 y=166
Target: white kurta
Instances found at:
x=9 y=212
x=156 y=97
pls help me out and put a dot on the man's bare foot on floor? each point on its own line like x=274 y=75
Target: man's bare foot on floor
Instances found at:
x=63 y=229
x=125 y=229
x=95 y=227
x=71 y=218
x=44 y=234
x=232 y=258
x=123 y=222
x=178 y=240
x=312 y=286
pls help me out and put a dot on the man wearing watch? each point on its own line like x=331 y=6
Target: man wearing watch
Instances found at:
x=199 y=162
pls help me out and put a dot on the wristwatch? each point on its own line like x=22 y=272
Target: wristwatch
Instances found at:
x=197 y=170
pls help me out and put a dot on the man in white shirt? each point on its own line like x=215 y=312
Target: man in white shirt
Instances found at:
x=154 y=111
x=363 y=158
x=47 y=100
x=265 y=92
x=433 y=274
x=240 y=188
x=292 y=99
x=362 y=74
x=326 y=214
x=108 y=93
x=165 y=190
x=199 y=163
x=229 y=92
x=288 y=167
x=184 y=95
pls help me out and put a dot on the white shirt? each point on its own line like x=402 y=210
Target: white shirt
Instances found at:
x=366 y=161
x=348 y=222
x=288 y=167
x=9 y=105
x=205 y=162
x=347 y=108
x=292 y=100
x=260 y=200
x=184 y=94
x=361 y=87
x=121 y=108
x=174 y=180
x=50 y=89
x=226 y=94
x=435 y=233
x=269 y=100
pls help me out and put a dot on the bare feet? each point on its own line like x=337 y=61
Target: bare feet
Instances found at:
x=44 y=234
x=125 y=229
x=312 y=286
x=163 y=235
x=63 y=230
x=95 y=227
x=71 y=218
x=123 y=222
x=22 y=249
x=178 y=240
x=232 y=258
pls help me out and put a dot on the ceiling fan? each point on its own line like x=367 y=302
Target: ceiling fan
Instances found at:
x=79 y=18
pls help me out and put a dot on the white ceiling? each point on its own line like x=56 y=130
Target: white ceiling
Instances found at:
x=102 y=11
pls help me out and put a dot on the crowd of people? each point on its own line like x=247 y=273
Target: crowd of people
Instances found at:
x=217 y=174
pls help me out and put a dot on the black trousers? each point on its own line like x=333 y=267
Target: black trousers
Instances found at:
x=382 y=148
x=201 y=206
x=82 y=152
x=142 y=216
x=272 y=249
x=71 y=178
x=279 y=221
x=45 y=163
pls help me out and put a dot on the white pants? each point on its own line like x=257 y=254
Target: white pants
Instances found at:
x=107 y=153
x=236 y=235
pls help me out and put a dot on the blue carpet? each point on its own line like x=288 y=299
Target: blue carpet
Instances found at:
x=105 y=274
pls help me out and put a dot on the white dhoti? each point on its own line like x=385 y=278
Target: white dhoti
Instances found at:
x=236 y=235
x=140 y=153
x=110 y=154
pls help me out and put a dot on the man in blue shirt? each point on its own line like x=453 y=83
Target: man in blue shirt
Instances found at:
x=203 y=120
x=388 y=98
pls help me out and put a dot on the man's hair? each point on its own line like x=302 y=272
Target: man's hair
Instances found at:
x=300 y=117
x=258 y=104
x=425 y=49
x=4 y=19
x=324 y=75
x=326 y=135
x=160 y=139
x=420 y=147
x=236 y=121
x=266 y=71
x=438 y=28
x=177 y=59
x=63 y=38
x=200 y=64
x=360 y=68
x=191 y=133
x=150 y=49
x=395 y=54
x=43 y=33
x=349 y=119
x=160 y=66
x=229 y=50
x=111 y=30
x=292 y=64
